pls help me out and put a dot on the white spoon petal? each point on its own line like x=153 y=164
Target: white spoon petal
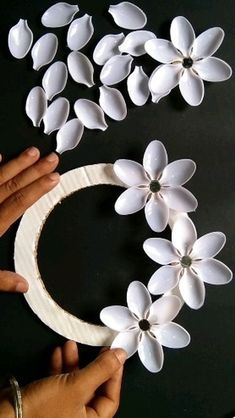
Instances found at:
x=55 y=79
x=36 y=105
x=80 y=32
x=20 y=39
x=113 y=103
x=90 y=114
x=44 y=50
x=127 y=15
x=107 y=48
x=56 y=115
x=58 y=15
x=116 y=69
x=134 y=42
x=69 y=135
x=81 y=68
x=138 y=86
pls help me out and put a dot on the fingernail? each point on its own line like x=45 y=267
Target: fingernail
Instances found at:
x=120 y=354
x=51 y=158
x=32 y=151
x=22 y=287
x=54 y=177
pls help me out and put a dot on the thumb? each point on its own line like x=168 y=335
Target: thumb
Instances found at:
x=101 y=369
x=12 y=282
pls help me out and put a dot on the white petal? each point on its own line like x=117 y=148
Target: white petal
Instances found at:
x=192 y=289
x=80 y=32
x=55 y=79
x=131 y=201
x=128 y=341
x=20 y=39
x=36 y=105
x=213 y=271
x=164 y=310
x=164 y=279
x=56 y=115
x=113 y=103
x=80 y=68
x=182 y=34
x=184 y=234
x=207 y=43
x=162 y=51
x=118 y=318
x=160 y=250
x=151 y=353
x=127 y=15
x=134 y=42
x=171 y=335
x=58 y=15
x=90 y=114
x=179 y=198
x=178 y=172
x=157 y=214
x=107 y=47
x=69 y=135
x=165 y=78
x=155 y=159
x=130 y=172
x=138 y=86
x=213 y=69
x=192 y=88
x=138 y=299
x=116 y=69
x=208 y=245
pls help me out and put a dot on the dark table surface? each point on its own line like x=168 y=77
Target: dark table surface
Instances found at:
x=88 y=255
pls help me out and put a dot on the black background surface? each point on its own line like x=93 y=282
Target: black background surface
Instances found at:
x=88 y=255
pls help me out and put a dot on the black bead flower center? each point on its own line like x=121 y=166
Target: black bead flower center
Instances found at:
x=144 y=325
x=154 y=186
x=187 y=62
x=186 y=261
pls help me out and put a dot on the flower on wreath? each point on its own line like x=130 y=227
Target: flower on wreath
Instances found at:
x=145 y=326
x=155 y=186
x=186 y=61
x=187 y=262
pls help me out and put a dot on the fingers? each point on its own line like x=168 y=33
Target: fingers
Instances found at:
x=14 y=167
x=12 y=282
x=12 y=208
x=70 y=356
x=28 y=175
x=56 y=361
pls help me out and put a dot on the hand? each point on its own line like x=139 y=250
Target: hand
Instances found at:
x=22 y=182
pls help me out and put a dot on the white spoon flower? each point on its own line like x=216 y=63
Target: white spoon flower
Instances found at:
x=187 y=262
x=187 y=61
x=145 y=326
x=156 y=185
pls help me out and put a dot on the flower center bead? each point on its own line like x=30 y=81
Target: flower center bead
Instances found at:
x=186 y=261
x=154 y=186
x=187 y=62
x=144 y=325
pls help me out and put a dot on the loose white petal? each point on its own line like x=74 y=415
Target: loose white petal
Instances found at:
x=213 y=271
x=118 y=318
x=20 y=39
x=60 y=14
x=151 y=353
x=81 y=68
x=208 y=245
x=162 y=51
x=184 y=235
x=155 y=159
x=157 y=214
x=178 y=173
x=56 y=115
x=113 y=103
x=192 y=88
x=69 y=135
x=164 y=279
x=192 y=289
x=165 y=78
x=207 y=43
x=213 y=69
x=130 y=173
x=164 y=310
x=171 y=335
x=90 y=114
x=182 y=34
x=160 y=250
x=44 y=50
x=179 y=199
x=134 y=42
x=131 y=201
x=80 y=32
x=127 y=15
x=107 y=48
x=55 y=79
x=36 y=105
x=128 y=341
x=116 y=69
x=138 y=299
x=137 y=86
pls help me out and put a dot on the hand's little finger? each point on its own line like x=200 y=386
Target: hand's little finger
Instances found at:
x=12 y=282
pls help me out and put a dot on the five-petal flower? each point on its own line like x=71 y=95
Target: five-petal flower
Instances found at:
x=146 y=326
x=156 y=185
x=187 y=61
x=187 y=262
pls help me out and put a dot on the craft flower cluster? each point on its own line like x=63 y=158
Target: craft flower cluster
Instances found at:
x=186 y=61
